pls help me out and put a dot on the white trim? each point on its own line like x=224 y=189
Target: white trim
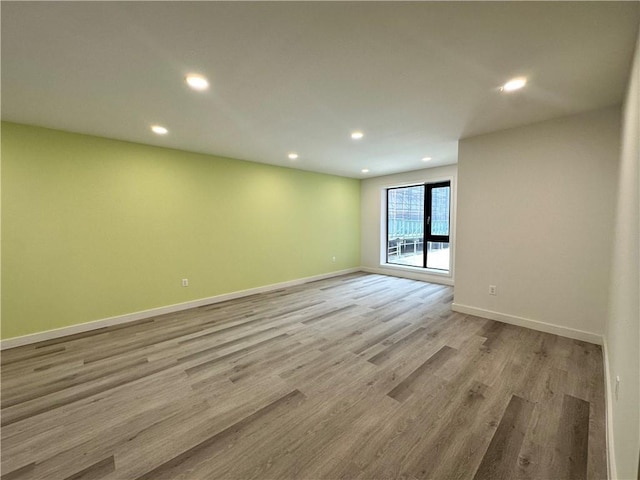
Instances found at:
x=529 y=323
x=608 y=399
x=153 y=312
x=453 y=195
x=422 y=274
x=418 y=270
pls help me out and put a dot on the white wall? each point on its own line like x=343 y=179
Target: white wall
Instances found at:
x=535 y=218
x=372 y=223
x=622 y=338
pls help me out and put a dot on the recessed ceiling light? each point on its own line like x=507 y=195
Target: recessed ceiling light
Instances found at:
x=197 y=82
x=357 y=135
x=365 y=170
x=159 y=130
x=426 y=159
x=514 y=84
x=293 y=156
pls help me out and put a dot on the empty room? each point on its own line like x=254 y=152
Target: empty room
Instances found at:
x=320 y=240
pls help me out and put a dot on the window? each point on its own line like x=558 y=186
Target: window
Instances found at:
x=418 y=217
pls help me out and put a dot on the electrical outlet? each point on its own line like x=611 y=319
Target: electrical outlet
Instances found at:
x=185 y=282
x=493 y=290
x=333 y=259
x=617 y=386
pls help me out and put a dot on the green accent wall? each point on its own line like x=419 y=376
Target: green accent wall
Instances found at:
x=94 y=227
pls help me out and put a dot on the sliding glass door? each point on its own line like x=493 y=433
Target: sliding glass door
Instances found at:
x=438 y=200
x=418 y=225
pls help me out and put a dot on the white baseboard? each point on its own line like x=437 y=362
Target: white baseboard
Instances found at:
x=529 y=323
x=153 y=312
x=608 y=402
x=398 y=272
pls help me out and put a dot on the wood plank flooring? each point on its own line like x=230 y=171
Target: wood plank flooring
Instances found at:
x=356 y=377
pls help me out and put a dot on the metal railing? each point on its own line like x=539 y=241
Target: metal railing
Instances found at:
x=403 y=246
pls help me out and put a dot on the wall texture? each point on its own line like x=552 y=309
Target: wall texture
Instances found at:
x=623 y=327
x=535 y=218
x=93 y=228
x=372 y=223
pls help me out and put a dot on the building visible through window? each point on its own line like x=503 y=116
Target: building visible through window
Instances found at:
x=419 y=215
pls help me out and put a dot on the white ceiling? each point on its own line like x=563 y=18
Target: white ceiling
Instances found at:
x=296 y=76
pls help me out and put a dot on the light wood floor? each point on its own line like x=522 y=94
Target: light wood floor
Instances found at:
x=360 y=376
